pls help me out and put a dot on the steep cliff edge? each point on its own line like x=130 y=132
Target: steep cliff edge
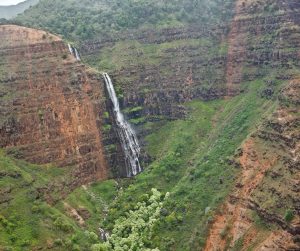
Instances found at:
x=50 y=104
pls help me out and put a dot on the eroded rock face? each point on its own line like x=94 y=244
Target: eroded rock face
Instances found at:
x=50 y=104
x=268 y=187
x=209 y=62
x=160 y=69
x=267 y=191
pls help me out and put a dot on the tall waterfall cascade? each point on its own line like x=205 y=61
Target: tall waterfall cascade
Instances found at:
x=74 y=52
x=128 y=138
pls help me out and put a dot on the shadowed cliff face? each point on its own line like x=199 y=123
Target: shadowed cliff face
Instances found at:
x=160 y=69
x=50 y=104
x=263 y=41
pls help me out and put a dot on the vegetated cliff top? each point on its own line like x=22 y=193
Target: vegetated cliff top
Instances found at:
x=12 y=11
x=89 y=18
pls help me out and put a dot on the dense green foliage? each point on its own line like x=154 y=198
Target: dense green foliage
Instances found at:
x=134 y=230
x=88 y=19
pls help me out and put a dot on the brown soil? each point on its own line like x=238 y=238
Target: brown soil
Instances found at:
x=74 y=214
x=236 y=53
x=234 y=221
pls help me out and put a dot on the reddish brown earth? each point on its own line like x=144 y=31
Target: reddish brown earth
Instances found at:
x=268 y=186
x=50 y=104
x=236 y=52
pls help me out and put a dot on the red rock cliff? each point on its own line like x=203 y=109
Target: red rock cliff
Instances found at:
x=50 y=104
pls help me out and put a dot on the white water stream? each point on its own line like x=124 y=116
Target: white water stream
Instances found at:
x=74 y=52
x=126 y=134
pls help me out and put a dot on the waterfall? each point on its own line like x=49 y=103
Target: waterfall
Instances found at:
x=126 y=134
x=74 y=52
x=103 y=234
x=70 y=49
x=77 y=54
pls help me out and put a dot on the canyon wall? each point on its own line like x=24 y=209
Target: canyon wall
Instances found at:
x=262 y=212
x=160 y=69
x=51 y=105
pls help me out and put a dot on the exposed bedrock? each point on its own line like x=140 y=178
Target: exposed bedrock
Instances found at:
x=160 y=69
x=267 y=191
x=51 y=106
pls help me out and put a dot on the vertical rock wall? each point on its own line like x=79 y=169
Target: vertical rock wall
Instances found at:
x=50 y=105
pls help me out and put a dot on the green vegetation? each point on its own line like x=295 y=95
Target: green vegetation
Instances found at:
x=89 y=18
x=191 y=163
x=27 y=221
x=138 y=121
x=289 y=215
x=133 y=109
x=260 y=223
x=134 y=231
x=238 y=245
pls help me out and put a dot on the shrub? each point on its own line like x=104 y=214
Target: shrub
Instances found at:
x=35 y=209
x=12 y=238
x=171 y=219
x=100 y=247
x=92 y=236
x=76 y=247
x=3 y=221
x=289 y=215
x=58 y=242
x=61 y=224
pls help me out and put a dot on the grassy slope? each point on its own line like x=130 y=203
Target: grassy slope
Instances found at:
x=28 y=222
x=190 y=162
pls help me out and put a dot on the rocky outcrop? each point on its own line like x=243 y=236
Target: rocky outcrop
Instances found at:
x=51 y=106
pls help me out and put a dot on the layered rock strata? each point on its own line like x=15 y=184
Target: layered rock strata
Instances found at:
x=51 y=106
x=161 y=69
